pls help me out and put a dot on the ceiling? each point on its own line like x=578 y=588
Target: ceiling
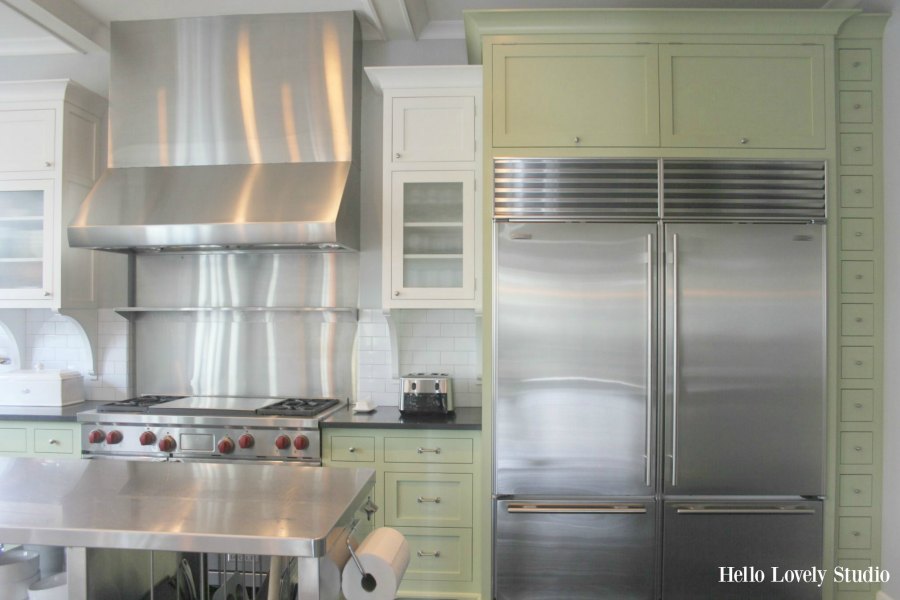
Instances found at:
x=35 y=27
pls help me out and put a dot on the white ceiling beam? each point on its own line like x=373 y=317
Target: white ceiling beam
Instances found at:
x=395 y=19
x=66 y=21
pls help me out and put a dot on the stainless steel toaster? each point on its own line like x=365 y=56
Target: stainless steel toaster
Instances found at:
x=426 y=393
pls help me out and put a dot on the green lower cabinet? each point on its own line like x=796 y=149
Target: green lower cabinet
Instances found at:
x=47 y=439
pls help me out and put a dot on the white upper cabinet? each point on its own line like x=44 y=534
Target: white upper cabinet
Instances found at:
x=433 y=129
x=27 y=140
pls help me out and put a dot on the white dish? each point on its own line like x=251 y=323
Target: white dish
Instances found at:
x=55 y=587
x=364 y=407
x=17 y=565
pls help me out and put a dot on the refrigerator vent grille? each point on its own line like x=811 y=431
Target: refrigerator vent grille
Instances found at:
x=575 y=188
x=760 y=189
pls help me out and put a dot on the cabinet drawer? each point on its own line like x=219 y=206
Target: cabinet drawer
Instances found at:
x=857 y=319
x=856 y=149
x=855 y=533
x=856 y=448
x=428 y=450
x=13 y=439
x=856 y=490
x=857 y=362
x=435 y=129
x=857 y=405
x=857 y=276
x=439 y=554
x=860 y=564
x=855 y=64
x=856 y=107
x=428 y=499
x=856 y=191
x=27 y=140
x=857 y=234
x=352 y=448
x=53 y=441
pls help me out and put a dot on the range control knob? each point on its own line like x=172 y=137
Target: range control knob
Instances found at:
x=282 y=442
x=96 y=437
x=225 y=446
x=114 y=437
x=301 y=442
x=148 y=438
x=167 y=444
x=246 y=441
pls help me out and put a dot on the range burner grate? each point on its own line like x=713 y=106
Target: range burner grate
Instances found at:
x=300 y=407
x=140 y=404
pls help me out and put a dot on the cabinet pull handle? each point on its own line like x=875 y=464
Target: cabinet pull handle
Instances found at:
x=857 y=148
x=26 y=391
x=423 y=499
x=743 y=140
x=858 y=276
x=857 y=448
x=857 y=491
x=422 y=553
x=858 y=234
x=396 y=292
x=857 y=191
x=424 y=450
x=858 y=319
x=351 y=449
x=856 y=534
x=858 y=405
x=46 y=293
x=761 y=510
x=859 y=363
x=53 y=442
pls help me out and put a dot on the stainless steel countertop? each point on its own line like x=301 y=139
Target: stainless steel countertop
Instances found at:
x=195 y=507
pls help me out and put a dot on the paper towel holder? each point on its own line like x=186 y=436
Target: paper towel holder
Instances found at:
x=368 y=582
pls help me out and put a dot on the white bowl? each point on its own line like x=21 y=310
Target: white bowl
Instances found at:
x=17 y=590
x=54 y=587
x=17 y=565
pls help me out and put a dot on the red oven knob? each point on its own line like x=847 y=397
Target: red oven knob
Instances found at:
x=246 y=441
x=96 y=437
x=167 y=444
x=114 y=437
x=282 y=442
x=226 y=446
x=148 y=438
x=301 y=442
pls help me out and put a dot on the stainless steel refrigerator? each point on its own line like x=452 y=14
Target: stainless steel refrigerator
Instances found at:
x=659 y=402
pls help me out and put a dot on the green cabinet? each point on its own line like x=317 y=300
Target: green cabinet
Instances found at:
x=40 y=439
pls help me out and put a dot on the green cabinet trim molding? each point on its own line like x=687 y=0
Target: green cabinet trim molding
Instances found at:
x=809 y=86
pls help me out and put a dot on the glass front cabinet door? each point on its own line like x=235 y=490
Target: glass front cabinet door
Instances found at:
x=433 y=235
x=26 y=240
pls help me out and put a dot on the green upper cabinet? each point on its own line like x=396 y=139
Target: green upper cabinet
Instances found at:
x=574 y=95
x=742 y=96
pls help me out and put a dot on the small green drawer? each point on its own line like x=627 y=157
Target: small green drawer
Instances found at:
x=856 y=107
x=13 y=439
x=53 y=441
x=857 y=191
x=855 y=64
x=428 y=499
x=856 y=490
x=856 y=149
x=857 y=234
x=857 y=362
x=438 y=554
x=857 y=276
x=855 y=533
x=857 y=405
x=854 y=564
x=856 y=448
x=428 y=450
x=857 y=319
x=352 y=448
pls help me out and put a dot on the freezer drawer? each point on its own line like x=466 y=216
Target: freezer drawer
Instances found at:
x=765 y=540
x=602 y=550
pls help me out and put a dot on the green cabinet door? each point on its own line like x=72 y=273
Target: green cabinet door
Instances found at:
x=742 y=96
x=572 y=95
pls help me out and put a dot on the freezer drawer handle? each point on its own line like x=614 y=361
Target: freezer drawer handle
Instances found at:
x=594 y=509
x=421 y=499
x=424 y=450
x=762 y=510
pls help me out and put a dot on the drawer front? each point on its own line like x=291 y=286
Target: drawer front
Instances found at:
x=53 y=441
x=428 y=499
x=856 y=490
x=13 y=439
x=856 y=191
x=856 y=149
x=855 y=533
x=857 y=405
x=857 y=234
x=855 y=564
x=27 y=140
x=857 y=362
x=856 y=107
x=857 y=319
x=428 y=450
x=438 y=554
x=856 y=448
x=352 y=448
x=855 y=64
x=857 y=276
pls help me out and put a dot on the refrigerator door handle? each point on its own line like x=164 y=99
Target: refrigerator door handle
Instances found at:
x=674 y=359
x=593 y=509
x=757 y=510
x=649 y=383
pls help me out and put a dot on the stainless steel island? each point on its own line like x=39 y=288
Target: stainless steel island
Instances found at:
x=264 y=509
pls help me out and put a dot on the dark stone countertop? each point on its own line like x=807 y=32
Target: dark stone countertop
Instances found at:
x=389 y=417
x=46 y=413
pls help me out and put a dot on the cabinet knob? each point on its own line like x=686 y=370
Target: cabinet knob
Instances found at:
x=857 y=448
x=48 y=163
x=743 y=140
x=396 y=155
x=859 y=363
x=858 y=319
x=46 y=293
x=396 y=293
x=858 y=233
x=26 y=391
x=858 y=276
x=856 y=534
x=857 y=64
x=858 y=405
x=53 y=442
x=576 y=140
x=857 y=191
x=857 y=148
x=857 y=106
x=351 y=449
x=857 y=491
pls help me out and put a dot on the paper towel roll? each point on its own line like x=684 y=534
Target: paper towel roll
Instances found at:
x=384 y=555
x=331 y=567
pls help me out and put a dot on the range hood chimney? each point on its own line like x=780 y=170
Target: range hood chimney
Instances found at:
x=230 y=132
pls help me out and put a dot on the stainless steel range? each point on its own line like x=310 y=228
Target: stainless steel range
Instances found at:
x=206 y=428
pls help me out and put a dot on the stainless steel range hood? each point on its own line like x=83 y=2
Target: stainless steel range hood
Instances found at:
x=230 y=132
